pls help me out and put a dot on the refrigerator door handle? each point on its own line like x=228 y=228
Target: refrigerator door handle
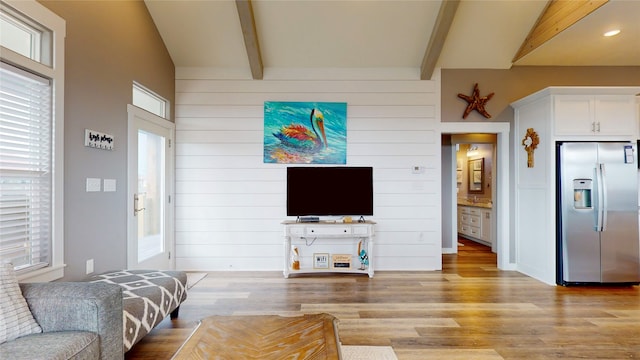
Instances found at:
x=599 y=199
x=604 y=208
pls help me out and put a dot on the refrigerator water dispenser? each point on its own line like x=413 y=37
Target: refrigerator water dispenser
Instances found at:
x=582 y=193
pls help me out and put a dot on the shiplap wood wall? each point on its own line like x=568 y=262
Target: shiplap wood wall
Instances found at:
x=230 y=205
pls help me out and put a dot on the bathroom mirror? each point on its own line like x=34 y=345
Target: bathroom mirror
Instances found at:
x=476 y=176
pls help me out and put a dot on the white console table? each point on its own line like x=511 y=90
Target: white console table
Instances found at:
x=331 y=238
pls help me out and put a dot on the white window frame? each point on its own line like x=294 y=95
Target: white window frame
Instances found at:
x=142 y=97
x=52 y=68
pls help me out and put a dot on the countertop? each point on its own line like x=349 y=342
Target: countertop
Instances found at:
x=485 y=205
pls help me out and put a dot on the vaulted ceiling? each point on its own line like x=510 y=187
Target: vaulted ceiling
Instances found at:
x=267 y=38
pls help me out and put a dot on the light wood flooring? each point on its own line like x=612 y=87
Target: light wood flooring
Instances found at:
x=469 y=310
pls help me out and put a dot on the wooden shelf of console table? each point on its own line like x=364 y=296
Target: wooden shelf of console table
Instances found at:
x=269 y=337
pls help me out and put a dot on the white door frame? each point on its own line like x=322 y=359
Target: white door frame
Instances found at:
x=501 y=129
x=169 y=225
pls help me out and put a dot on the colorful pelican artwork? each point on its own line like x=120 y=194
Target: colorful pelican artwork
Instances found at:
x=302 y=138
x=305 y=133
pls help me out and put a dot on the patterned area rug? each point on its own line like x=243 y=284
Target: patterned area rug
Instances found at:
x=193 y=278
x=368 y=353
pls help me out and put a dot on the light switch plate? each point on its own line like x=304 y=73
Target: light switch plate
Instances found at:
x=93 y=184
x=109 y=185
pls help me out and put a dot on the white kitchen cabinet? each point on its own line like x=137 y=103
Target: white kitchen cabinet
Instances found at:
x=558 y=114
x=474 y=223
x=486 y=228
x=594 y=115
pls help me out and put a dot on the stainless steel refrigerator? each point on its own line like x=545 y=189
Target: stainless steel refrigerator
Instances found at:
x=597 y=209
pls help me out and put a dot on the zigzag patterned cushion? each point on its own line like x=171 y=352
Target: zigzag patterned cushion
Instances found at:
x=149 y=296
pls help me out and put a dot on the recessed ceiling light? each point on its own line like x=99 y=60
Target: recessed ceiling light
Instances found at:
x=612 y=33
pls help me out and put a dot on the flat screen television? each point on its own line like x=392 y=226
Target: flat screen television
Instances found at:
x=329 y=191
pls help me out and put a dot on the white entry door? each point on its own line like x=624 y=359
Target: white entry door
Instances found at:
x=150 y=190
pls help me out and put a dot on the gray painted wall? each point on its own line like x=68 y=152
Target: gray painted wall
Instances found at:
x=109 y=45
x=520 y=81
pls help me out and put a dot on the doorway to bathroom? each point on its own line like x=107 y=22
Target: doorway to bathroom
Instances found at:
x=482 y=178
x=474 y=185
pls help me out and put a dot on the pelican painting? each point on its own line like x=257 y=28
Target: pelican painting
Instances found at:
x=305 y=133
x=302 y=138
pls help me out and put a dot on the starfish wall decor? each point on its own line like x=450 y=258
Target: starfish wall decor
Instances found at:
x=476 y=102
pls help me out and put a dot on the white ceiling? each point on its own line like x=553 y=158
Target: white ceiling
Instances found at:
x=387 y=35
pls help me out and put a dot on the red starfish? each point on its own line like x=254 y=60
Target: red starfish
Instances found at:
x=476 y=102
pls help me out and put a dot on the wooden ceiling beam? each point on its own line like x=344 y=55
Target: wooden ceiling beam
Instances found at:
x=438 y=36
x=248 y=24
x=556 y=17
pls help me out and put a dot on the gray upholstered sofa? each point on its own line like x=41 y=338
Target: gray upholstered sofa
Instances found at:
x=99 y=319
x=78 y=320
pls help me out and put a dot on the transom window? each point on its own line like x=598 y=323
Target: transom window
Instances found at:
x=149 y=101
x=24 y=36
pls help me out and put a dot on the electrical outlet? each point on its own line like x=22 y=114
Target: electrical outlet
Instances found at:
x=89 y=266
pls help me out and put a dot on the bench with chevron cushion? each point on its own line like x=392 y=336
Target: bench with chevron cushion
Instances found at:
x=148 y=297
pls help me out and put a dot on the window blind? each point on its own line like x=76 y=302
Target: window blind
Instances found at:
x=25 y=168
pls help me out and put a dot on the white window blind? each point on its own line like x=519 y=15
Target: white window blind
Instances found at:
x=25 y=168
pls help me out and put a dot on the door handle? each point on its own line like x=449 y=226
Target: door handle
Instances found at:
x=136 y=210
x=601 y=199
x=605 y=208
